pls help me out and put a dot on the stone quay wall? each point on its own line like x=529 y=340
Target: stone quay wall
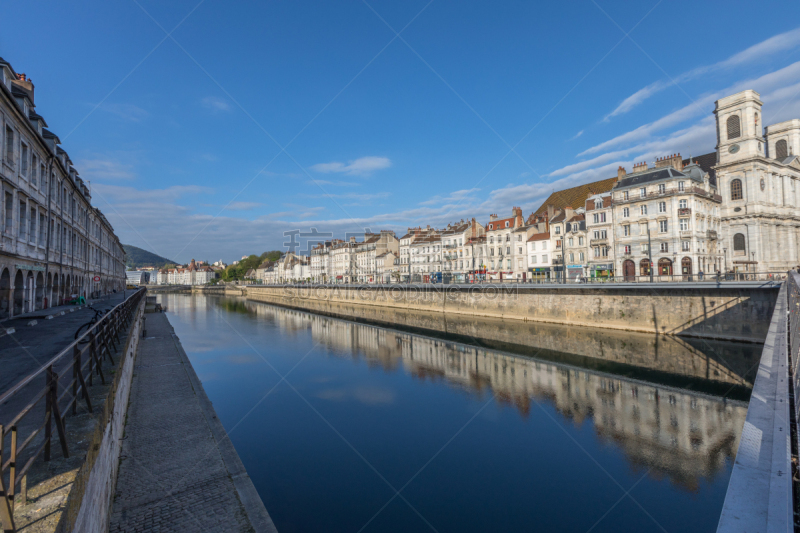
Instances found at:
x=723 y=313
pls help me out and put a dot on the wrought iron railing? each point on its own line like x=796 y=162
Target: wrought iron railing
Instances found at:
x=61 y=395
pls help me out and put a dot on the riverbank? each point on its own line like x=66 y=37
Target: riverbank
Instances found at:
x=704 y=310
x=179 y=470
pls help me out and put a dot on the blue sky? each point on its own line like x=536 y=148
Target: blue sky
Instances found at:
x=208 y=129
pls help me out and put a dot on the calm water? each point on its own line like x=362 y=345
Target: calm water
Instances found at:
x=474 y=439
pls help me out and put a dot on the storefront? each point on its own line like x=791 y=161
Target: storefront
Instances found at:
x=602 y=270
x=574 y=272
x=539 y=275
x=477 y=276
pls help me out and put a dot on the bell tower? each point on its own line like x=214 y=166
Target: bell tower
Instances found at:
x=739 y=128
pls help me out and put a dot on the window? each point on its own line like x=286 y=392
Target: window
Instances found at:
x=596 y=218
x=643 y=209
x=685 y=246
x=602 y=217
x=519 y=250
x=625 y=195
x=571 y=258
x=21 y=219
x=684 y=224
x=738 y=243
x=683 y=204
x=626 y=230
x=571 y=241
x=664 y=247
x=9 y=212
x=736 y=189
x=533 y=259
x=734 y=127
x=9 y=146
x=597 y=251
x=662 y=188
x=781 y=149
x=681 y=186
x=662 y=226
x=580 y=241
x=544 y=258
x=662 y=207
x=32 y=232
x=626 y=250
x=645 y=248
x=626 y=212
x=506 y=223
x=598 y=204
x=558 y=230
x=34 y=170
x=544 y=245
x=23 y=169
x=580 y=257
x=643 y=192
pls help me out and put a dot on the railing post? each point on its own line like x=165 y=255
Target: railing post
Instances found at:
x=48 y=414
x=12 y=467
x=76 y=353
x=55 y=413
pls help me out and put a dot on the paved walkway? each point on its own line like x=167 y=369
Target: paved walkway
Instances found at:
x=179 y=471
x=29 y=347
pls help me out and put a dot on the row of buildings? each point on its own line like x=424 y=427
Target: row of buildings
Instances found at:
x=735 y=209
x=195 y=273
x=54 y=244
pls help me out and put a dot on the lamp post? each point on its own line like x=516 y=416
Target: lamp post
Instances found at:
x=725 y=257
x=650 y=252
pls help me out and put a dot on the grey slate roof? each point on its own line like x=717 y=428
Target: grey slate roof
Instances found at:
x=655 y=174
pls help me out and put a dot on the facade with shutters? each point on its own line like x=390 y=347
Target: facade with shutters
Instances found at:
x=53 y=243
x=759 y=178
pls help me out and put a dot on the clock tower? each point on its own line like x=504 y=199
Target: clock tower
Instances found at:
x=739 y=129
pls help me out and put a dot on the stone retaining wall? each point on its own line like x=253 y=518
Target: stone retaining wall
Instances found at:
x=725 y=313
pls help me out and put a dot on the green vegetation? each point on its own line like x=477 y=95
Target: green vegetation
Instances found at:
x=237 y=272
x=135 y=258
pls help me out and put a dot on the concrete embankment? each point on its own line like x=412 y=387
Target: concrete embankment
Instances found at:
x=727 y=312
x=179 y=470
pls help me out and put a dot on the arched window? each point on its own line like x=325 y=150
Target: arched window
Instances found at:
x=738 y=242
x=736 y=189
x=781 y=149
x=734 y=127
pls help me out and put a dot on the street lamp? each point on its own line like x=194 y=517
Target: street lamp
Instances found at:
x=725 y=256
x=650 y=252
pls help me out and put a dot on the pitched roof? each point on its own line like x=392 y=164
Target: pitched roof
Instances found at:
x=540 y=237
x=706 y=161
x=575 y=197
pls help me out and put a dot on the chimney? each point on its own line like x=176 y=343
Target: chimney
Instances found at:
x=640 y=167
x=621 y=173
x=492 y=218
x=352 y=239
x=675 y=161
x=26 y=84
x=568 y=213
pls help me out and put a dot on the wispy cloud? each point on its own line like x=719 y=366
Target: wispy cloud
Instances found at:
x=335 y=183
x=243 y=206
x=765 y=49
x=452 y=198
x=363 y=166
x=215 y=104
x=577 y=135
x=101 y=168
x=126 y=111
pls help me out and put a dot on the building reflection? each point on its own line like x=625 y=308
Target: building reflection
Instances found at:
x=682 y=434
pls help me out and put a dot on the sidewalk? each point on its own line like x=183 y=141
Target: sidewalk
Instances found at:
x=179 y=471
x=29 y=347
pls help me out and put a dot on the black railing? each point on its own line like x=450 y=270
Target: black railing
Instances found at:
x=101 y=340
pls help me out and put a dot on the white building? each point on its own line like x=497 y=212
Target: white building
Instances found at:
x=53 y=243
x=600 y=232
x=458 y=242
x=758 y=173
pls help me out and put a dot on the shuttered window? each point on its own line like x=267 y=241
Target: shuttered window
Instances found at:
x=781 y=149
x=736 y=189
x=734 y=127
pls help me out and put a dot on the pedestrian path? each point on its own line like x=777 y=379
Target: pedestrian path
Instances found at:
x=178 y=471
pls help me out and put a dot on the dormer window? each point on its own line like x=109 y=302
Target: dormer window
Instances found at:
x=506 y=223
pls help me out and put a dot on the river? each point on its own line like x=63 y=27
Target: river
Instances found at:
x=350 y=427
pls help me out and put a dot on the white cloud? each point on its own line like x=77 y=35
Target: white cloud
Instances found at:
x=363 y=166
x=765 y=49
x=242 y=206
x=454 y=197
x=102 y=168
x=126 y=111
x=215 y=104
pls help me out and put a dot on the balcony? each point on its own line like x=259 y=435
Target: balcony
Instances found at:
x=711 y=235
x=684 y=211
x=686 y=233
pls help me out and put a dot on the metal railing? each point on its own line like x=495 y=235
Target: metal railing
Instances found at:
x=59 y=398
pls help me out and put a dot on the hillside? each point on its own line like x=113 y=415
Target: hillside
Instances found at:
x=135 y=258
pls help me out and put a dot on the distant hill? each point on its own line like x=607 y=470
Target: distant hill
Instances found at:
x=135 y=258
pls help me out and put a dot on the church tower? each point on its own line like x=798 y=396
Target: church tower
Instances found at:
x=739 y=129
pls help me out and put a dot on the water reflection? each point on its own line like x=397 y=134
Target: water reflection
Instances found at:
x=664 y=403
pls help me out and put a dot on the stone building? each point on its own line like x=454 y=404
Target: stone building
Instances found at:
x=426 y=257
x=575 y=245
x=507 y=246
x=669 y=215
x=53 y=244
x=759 y=179
x=600 y=232
x=458 y=242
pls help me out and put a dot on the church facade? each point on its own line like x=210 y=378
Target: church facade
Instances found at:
x=758 y=172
